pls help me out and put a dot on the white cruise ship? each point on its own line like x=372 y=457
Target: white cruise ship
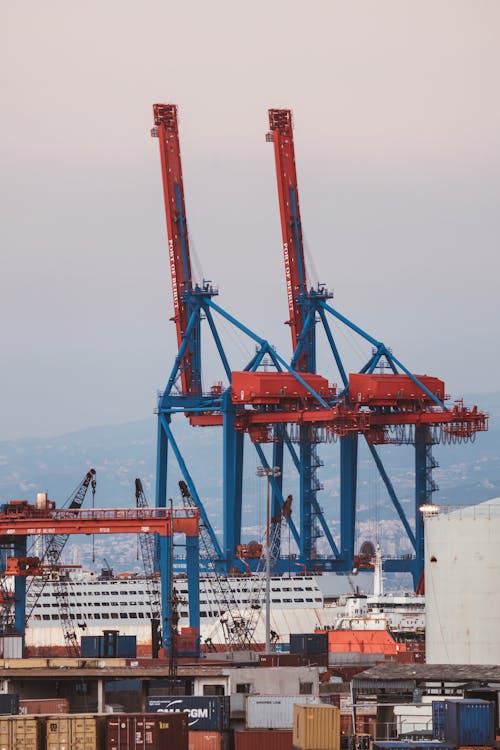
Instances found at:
x=123 y=602
x=298 y=605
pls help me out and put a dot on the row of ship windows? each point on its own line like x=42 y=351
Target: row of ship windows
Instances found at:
x=297 y=600
x=92 y=593
x=96 y=604
x=103 y=616
x=181 y=591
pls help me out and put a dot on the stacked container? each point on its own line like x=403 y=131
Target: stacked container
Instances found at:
x=209 y=741
x=469 y=722
x=72 y=731
x=44 y=706
x=438 y=720
x=309 y=643
x=147 y=731
x=19 y=733
x=316 y=727
x=209 y=713
x=263 y=739
x=274 y=711
x=9 y=703
x=414 y=745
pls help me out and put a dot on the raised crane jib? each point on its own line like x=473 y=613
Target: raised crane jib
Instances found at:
x=280 y=124
x=166 y=129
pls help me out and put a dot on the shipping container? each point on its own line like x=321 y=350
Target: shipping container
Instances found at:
x=208 y=741
x=316 y=727
x=438 y=720
x=308 y=643
x=11 y=647
x=19 y=733
x=282 y=660
x=469 y=722
x=9 y=703
x=75 y=731
x=263 y=739
x=44 y=706
x=147 y=731
x=415 y=745
x=111 y=646
x=273 y=711
x=206 y=713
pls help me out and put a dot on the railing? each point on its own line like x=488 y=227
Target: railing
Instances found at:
x=132 y=514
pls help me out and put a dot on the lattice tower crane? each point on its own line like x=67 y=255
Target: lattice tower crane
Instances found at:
x=50 y=559
x=222 y=599
x=153 y=583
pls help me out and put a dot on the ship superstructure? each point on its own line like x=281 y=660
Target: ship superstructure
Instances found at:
x=99 y=602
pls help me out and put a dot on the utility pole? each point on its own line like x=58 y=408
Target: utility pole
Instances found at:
x=268 y=473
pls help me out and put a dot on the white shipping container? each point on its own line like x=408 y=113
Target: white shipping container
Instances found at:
x=412 y=717
x=274 y=711
x=11 y=647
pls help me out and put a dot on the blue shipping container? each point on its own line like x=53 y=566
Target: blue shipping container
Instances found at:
x=308 y=643
x=206 y=713
x=417 y=745
x=98 y=647
x=126 y=647
x=89 y=645
x=9 y=703
x=469 y=722
x=438 y=720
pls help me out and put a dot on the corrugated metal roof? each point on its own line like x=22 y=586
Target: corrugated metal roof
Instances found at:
x=431 y=673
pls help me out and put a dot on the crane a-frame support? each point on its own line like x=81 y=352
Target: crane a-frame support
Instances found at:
x=306 y=307
x=336 y=415
x=163 y=521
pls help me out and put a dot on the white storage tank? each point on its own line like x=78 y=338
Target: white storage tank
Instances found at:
x=462 y=584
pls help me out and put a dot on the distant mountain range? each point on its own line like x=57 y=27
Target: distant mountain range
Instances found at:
x=468 y=473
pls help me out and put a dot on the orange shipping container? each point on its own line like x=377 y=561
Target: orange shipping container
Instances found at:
x=208 y=741
x=316 y=727
x=44 y=706
x=263 y=739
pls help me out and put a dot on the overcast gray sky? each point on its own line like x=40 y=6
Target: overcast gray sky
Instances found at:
x=397 y=123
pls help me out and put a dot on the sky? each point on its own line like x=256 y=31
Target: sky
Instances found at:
x=396 y=128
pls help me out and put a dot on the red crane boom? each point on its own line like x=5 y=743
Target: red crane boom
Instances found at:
x=167 y=132
x=280 y=124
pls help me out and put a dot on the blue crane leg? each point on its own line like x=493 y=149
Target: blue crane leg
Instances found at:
x=161 y=490
x=306 y=504
x=166 y=589
x=348 y=485
x=20 y=547
x=232 y=480
x=424 y=488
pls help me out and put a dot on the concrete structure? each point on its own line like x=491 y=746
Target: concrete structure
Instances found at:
x=462 y=584
x=91 y=684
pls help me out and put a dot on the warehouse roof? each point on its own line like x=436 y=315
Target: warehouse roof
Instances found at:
x=431 y=673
